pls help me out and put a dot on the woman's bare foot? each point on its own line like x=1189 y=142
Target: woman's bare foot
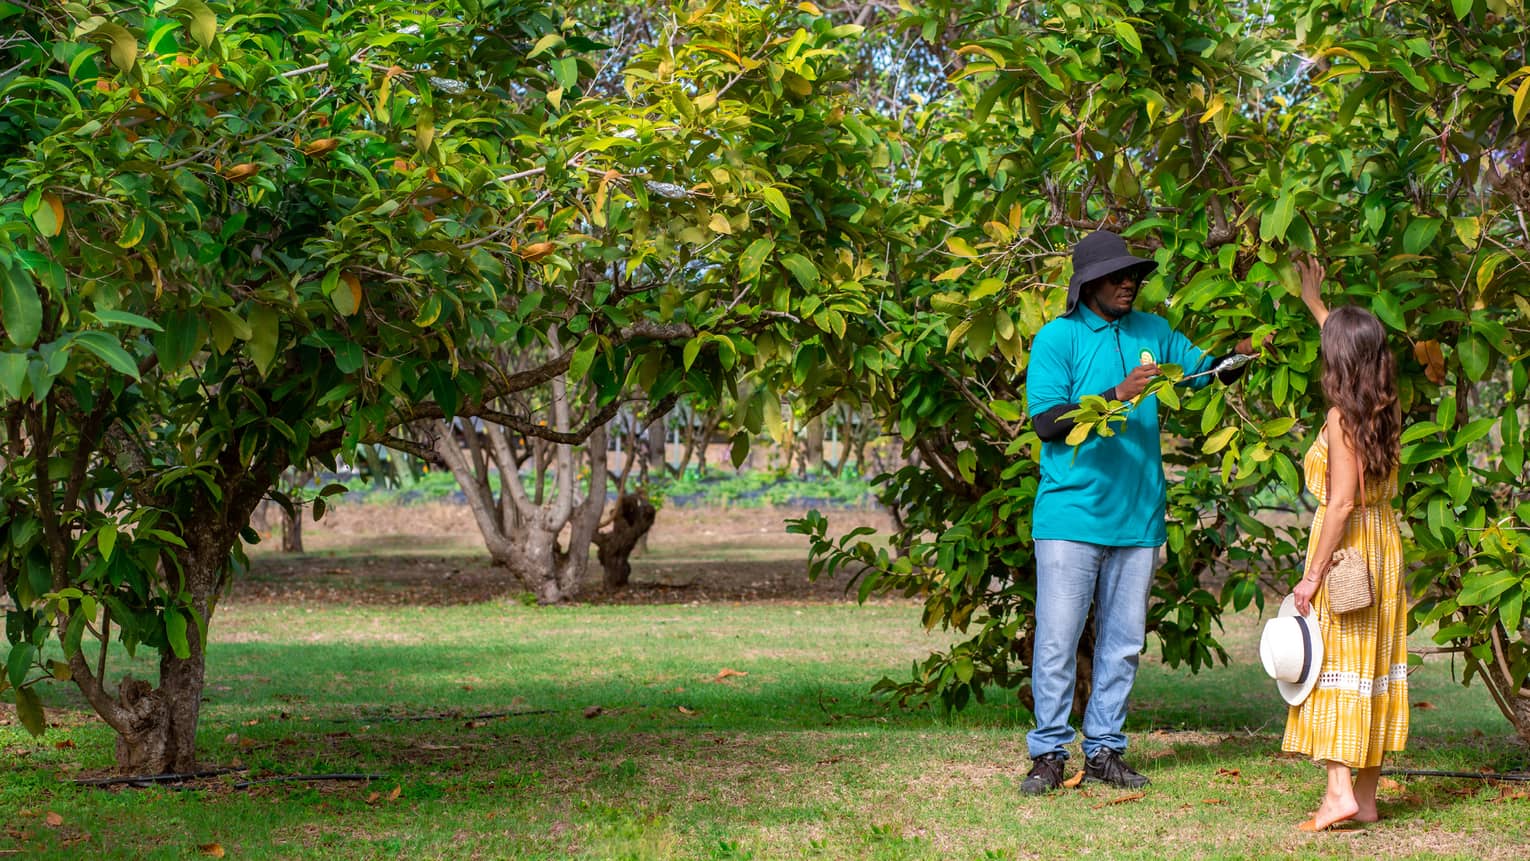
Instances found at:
x=1332 y=811
x=1366 y=813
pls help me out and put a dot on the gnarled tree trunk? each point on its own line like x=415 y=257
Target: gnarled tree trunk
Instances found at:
x=523 y=531
x=633 y=518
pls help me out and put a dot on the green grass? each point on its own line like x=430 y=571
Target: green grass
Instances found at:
x=791 y=760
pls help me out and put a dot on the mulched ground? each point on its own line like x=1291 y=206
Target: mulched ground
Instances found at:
x=431 y=555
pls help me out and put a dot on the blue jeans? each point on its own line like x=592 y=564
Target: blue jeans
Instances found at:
x=1069 y=576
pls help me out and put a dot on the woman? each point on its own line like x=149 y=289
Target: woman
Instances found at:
x=1359 y=709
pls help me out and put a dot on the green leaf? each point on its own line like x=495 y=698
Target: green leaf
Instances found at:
x=1481 y=588
x=739 y=451
x=13 y=374
x=113 y=317
x=802 y=269
x=1474 y=354
x=584 y=355
x=1079 y=433
x=265 y=328
x=1420 y=233
x=693 y=349
x=776 y=201
x=29 y=708
x=108 y=350
x=19 y=662
x=175 y=633
x=1005 y=410
x=1462 y=8
x=20 y=306
x=106 y=539
x=1219 y=440
x=753 y=258
x=1128 y=36
x=1277 y=427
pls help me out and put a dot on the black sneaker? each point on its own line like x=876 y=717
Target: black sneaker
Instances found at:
x=1107 y=766
x=1046 y=774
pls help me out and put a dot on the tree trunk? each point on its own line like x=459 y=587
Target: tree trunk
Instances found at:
x=292 y=532
x=634 y=517
x=528 y=546
x=658 y=463
x=812 y=455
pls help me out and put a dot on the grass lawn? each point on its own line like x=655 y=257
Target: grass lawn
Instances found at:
x=636 y=744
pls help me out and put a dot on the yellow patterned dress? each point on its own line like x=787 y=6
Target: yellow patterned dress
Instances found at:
x=1359 y=709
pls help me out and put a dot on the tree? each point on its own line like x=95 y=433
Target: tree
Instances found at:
x=243 y=239
x=1225 y=144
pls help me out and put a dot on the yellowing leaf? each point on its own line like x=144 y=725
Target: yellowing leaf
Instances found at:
x=213 y=849
x=810 y=8
x=1216 y=106
x=960 y=248
x=347 y=295
x=719 y=224
x=48 y=214
x=132 y=233
x=1078 y=435
x=1522 y=101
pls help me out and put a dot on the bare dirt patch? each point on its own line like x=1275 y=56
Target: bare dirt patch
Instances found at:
x=432 y=555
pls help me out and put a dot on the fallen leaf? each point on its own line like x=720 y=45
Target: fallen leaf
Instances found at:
x=373 y=796
x=65 y=744
x=685 y=711
x=248 y=742
x=1212 y=801
x=393 y=796
x=1390 y=785
x=1229 y=772
x=252 y=722
x=593 y=711
x=475 y=724
x=1423 y=706
x=1509 y=793
x=231 y=738
x=213 y=849
x=1135 y=796
x=467 y=687
x=725 y=672
x=1075 y=780
x=53 y=819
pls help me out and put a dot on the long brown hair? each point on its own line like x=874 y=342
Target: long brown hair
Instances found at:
x=1360 y=378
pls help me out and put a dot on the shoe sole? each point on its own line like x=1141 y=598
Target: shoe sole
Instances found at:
x=1144 y=783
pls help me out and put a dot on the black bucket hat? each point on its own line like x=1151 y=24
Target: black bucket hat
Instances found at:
x=1099 y=254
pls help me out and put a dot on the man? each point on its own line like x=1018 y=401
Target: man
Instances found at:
x=1099 y=512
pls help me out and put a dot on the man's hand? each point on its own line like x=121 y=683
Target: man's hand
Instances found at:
x=1246 y=346
x=1135 y=382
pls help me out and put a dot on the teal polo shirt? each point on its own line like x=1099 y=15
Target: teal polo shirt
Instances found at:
x=1110 y=490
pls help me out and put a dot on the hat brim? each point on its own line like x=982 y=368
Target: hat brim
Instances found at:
x=1101 y=268
x=1296 y=693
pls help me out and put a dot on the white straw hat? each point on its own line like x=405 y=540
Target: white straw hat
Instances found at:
x=1291 y=648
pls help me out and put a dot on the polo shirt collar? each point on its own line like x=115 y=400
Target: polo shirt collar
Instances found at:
x=1094 y=321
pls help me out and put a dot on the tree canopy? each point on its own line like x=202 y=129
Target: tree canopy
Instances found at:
x=235 y=238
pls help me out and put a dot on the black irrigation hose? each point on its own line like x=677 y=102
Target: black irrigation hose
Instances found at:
x=307 y=778
x=169 y=781
x=1424 y=772
x=147 y=779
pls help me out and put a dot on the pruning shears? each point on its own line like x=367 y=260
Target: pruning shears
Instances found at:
x=1236 y=360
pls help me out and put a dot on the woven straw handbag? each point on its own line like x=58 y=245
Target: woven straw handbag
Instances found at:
x=1349 y=581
